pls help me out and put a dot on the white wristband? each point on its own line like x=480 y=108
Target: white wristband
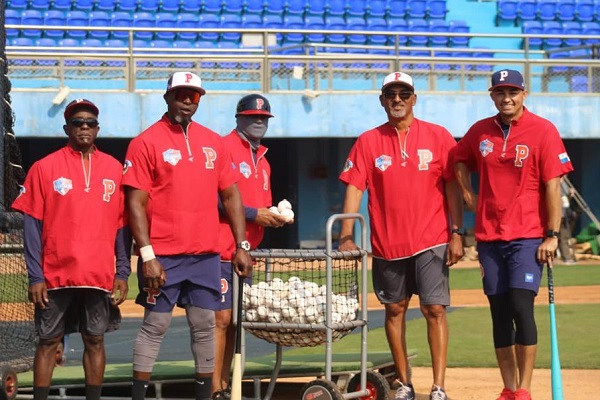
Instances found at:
x=147 y=253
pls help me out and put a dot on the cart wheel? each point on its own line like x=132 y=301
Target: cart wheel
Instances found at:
x=9 y=385
x=321 y=389
x=377 y=386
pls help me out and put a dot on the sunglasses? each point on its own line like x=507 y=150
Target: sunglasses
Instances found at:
x=184 y=94
x=404 y=95
x=78 y=122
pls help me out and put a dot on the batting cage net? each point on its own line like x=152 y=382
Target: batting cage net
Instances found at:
x=287 y=302
x=17 y=334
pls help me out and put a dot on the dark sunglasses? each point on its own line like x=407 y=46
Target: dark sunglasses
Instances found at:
x=183 y=94
x=78 y=122
x=404 y=95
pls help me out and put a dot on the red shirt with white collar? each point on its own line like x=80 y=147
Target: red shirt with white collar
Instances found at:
x=512 y=172
x=405 y=183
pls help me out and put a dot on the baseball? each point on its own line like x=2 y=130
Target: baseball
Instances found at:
x=274 y=317
x=284 y=205
x=262 y=312
x=251 y=315
x=288 y=214
x=274 y=210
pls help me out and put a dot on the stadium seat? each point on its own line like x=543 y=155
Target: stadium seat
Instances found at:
x=416 y=9
x=17 y=4
x=436 y=9
x=144 y=20
x=150 y=6
x=458 y=26
x=12 y=17
x=194 y=6
x=77 y=18
x=63 y=5
x=356 y=9
x=533 y=28
x=69 y=42
x=83 y=5
x=274 y=7
x=209 y=21
x=187 y=21
x=274 y=21
x=376 y=24
x=336 y=23
x=254 y=7
x=232 y=6
x=170 y=6
x=252 y=21
x=53 y=18
x=591 y=28
x=127 y=5
x=295 y=7
x=552 y=28
x=22 y=41
x=508 y=10
x=32 y=17
x=527 y=10
x=570 y=29
x=376 y=8
x=438 y=26
x=356 y=23
x=121 y=19
x=211 y=6
x=579 y=83
x=565 y=10
x=166 y=20
x=105 y=5
x=99 y=19
x=336 y=8
x=315 y=7
x=396 y=9
x=161 y=44
x=396 y=25
x=546 y=10
x=314 y=22
x=417 y=25
x=418 y=65
x=231 y=46
x=293 y=21
x=115 y=43
x=45 y=42
x=231 y=21
x=42 y=5
x=584 y=10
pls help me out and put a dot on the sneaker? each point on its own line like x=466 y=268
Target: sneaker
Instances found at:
x=438 y=394
x=522 y=394
x=405 y=392
x=221 y=395
x=506 y=394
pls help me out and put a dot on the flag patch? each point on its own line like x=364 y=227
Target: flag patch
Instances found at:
x=564 y=158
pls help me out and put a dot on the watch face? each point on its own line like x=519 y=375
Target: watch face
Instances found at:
x=245 y=245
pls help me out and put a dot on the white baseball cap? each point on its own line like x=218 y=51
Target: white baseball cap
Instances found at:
x=396 y=78
x=185 y=80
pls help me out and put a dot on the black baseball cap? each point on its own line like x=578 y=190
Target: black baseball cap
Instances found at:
x=78 y=104
x=254 y=104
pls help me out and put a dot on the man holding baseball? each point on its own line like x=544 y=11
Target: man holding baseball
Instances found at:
x=254 y=183
x=175 y=172
x=520 y=158
x=415 y=214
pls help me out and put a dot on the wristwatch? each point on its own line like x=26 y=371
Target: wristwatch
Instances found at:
x=459 y=231
x=245 y=245
x=550 y=234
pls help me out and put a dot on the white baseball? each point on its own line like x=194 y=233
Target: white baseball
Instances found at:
x=284 y=205
x=262 y=312
x=274 y=210
x=275 y=317
x=288 y=214
x=251 y=315
x=288 y=313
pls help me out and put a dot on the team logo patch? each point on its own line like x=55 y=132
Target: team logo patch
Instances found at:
x=22 y=190
x=348 y=165
x=564 y=158
x=529 y=277
x=126 y=165
x=62 y=185
x=245 y=169
x=172 y=156
x=486 y=147
x=383 y=162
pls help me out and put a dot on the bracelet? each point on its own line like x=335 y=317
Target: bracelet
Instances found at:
x=147 y=253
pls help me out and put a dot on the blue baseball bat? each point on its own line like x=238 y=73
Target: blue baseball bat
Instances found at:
x=555 y=371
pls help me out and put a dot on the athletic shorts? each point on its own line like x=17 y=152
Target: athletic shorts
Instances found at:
x=425 y=274
x=227 y=286
x=510 y=265
x=191 y=280
x=69 y=310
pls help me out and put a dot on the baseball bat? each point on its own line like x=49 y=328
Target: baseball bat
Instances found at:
x=236 y=379
x=555 y=371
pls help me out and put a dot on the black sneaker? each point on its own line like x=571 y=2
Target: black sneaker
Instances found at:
x=221 y=395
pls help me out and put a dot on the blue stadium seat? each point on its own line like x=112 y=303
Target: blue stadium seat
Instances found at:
x=314 y=22
x=121 y=19
x=45 y=42
x=336 y=8
x=274 y=7
x=187 y=21
x=227 y=64
x=231 y=21
x=53 y=18
x=508 y=10
x=161 y=44
x=32 y=17
x=527 y=10
x=533 y=28
x=376 y=8
x=418 y=65
x=83 y=5
x=166 y=20
x=397 y=25
x=105 y=5
x=565 y=10
x=252 y=21
x=116 y=43
x=127 y=5
x=315 y=7
x=194 y=6
x=296 y=7
x=458 y=26
x=170 y=6
x=144 y=20
x=254 y=7
x=416 y=9
x=42 y=5
x=546 y=10
x=591 y=28
x=77 y=18
x=211 y=6
x=337 y=23
x=417 y=25
x=12 y=17
x=150 y=6
x=579 y=83
x=356 y=9
x=22 y=41
x=552 y=28
x=436 y=9
x=209 y=21
x=356 y=23
x=438 y=26
x=569 y=29
x=293 y=21
x=69 y=42
x=64 y=5
x=396 y=8
x=376 y=24
x=232 y=6
x=99 y=18
x=584 y=10
x=17 y=4
x=274 y=21
x=92 y=43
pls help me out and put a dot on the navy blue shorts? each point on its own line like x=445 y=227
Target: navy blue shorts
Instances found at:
x=191 y=280
x=227 y=286
x=510 y=265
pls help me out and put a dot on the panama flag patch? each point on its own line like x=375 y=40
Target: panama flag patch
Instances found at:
x=564 y=158
x=62 y=185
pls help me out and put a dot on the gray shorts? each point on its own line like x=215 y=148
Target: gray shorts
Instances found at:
x=425 y=274
x=69 y=310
